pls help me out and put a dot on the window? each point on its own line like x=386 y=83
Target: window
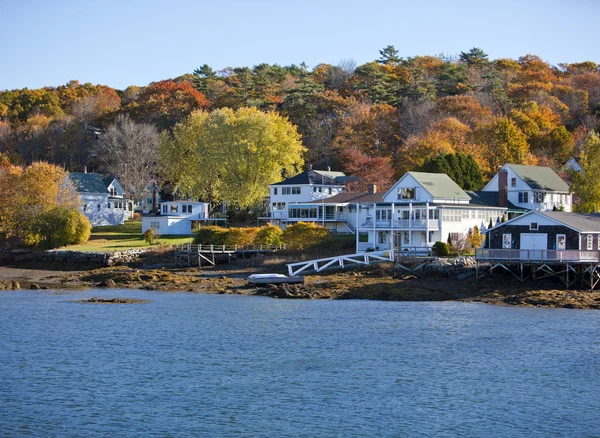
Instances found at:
x=523 y=197
x=406 y=193
x=295 y=190
x=561 y=242
x=275 y=191
x=84 y=207
x=165 y=211
x=382 y=238
x=329 y=189
x=155 y=225
x=286 y=190
x=99 y=207
x=533 y=226
x=513 y=182
x=363 y=237
x=150 y=202
x=506 y=241
x=189 y=208
x=590 y=242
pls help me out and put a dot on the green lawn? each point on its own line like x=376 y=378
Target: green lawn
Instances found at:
x=122 y=237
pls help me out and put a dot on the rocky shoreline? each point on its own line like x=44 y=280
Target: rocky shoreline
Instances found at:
x=447 y=282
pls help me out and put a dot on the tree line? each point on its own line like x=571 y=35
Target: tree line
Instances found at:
x=375 y=121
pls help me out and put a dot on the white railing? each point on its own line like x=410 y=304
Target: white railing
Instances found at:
x=318 y=265
x=418 y=224
x=536 y=255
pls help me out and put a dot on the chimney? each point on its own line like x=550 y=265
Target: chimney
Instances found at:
x=155 y=198
x=84 y=169
x=502 y=188
x=373 y=188
x=309 y=166
x=328 y=168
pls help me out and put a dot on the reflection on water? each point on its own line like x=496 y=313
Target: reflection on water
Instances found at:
x=214 y=365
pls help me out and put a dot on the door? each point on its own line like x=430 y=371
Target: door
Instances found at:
x=535 y=244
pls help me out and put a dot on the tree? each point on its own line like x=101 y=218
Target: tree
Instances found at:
x=462 y=168
x=130 y=151
x=389 y=56
x=231 y=155
x=586 y=184
x=474 y=57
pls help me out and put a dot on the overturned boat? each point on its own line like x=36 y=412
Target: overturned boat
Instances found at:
x=273 y=279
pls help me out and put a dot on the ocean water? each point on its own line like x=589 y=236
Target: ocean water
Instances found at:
x=218 y=365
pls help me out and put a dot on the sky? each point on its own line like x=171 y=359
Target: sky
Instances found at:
x=135 y=42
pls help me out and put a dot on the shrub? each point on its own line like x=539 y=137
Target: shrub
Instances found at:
x=269 y=235
x=475 y=238
x=151 y=235
x=441 y=249
x=240 y=236
x=58 y=226
x=212 y=235
x=304 y=235
x=136 y=216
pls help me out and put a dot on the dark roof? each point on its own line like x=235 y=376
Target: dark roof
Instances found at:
x=309 y=177
x=580 y=221
x=344 y=198
x=89 y=182
x=488 y=199
x=540 y=178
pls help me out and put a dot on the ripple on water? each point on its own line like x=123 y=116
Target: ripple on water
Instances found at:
x=191 y=364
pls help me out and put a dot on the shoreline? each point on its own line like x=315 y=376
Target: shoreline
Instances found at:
x=375 y=283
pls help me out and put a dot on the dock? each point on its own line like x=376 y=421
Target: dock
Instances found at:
x=189 y=255
x=572 y=267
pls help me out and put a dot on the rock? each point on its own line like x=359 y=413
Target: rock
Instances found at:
x=15 y=285
x=107 y=283
x=34 y=286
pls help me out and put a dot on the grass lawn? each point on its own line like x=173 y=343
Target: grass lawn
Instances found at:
x=122 y=237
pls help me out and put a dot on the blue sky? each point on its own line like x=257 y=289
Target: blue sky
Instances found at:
x=135 y=42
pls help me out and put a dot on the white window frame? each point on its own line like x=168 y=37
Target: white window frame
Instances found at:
x=564 y=237
x=506 y=237
x=590 y=242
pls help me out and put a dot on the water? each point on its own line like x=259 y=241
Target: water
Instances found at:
x=214 y=365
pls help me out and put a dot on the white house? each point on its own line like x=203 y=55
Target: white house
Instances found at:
x=177 y=217
x=532 y=187
x=149 y=200
x=308 y=186
x=572 y=165
x=421 y=209
x=102 y=198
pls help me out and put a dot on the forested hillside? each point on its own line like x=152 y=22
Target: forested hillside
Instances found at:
x=375 y=120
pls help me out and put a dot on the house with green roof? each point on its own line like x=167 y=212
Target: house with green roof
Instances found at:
x=531 y=188
x=102 y=197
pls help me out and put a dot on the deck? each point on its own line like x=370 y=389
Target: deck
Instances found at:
x=188 y=254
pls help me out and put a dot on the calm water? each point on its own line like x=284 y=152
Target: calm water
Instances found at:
x=214 y=365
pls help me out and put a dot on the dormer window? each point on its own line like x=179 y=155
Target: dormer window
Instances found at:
x=406 y=193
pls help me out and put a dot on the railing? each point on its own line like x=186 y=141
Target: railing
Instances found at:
x=415 y=251
x=419 y=224
x=536 y=255
x=228 y=248
x=340 y=262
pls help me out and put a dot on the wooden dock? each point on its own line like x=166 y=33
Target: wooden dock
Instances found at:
x=570 y=266
x=190 y=255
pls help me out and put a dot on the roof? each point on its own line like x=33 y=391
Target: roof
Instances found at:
x=90 y=182
x=439 y=185
x=310 y=177
x=540 y=178
x=339 y=177
x=345 y=198
x=580 y=221
x=488 y=199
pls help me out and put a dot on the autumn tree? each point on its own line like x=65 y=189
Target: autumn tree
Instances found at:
x=586 y=184
x=130 y=151
x=231 y=155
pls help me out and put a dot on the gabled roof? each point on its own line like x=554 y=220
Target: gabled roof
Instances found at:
x=339 y=177
x=580 y=222
x=439 y=185
x=540 y=178
x=90 y=182
x=345 y=198
x=309 y=177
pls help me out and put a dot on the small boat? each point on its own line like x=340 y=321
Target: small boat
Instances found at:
x=273 y=279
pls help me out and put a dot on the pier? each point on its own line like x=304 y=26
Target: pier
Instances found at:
x=570 y=266
x=188 y=255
